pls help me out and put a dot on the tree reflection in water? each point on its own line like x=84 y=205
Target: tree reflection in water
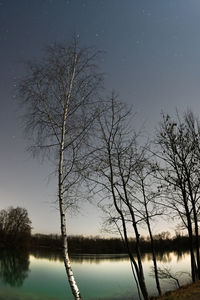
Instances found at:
x=14 y=267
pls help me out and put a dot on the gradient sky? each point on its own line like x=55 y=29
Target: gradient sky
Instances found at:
x=152 y=59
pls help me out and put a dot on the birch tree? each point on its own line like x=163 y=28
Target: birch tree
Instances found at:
x=59 y=95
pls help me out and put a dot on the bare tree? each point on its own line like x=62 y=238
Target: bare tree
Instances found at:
x=179 y=147
x=113 y=162
x=113 y=224
x=146 y=195
x=166 y=273
x=59 y=95
x=15 y=226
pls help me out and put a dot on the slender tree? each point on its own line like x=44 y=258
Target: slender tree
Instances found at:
x=146 y=196
x=112 y=165
x=192 y=173
x=179 y=143
x=59 y=95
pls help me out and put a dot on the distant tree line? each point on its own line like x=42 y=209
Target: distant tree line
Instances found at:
x=15 y=232
x=97 y=245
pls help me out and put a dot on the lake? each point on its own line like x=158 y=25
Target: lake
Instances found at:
x=40 y=275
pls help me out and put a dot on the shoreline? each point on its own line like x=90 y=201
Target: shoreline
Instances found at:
x=189 y=291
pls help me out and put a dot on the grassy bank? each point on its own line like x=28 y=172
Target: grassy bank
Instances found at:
x=189 y=292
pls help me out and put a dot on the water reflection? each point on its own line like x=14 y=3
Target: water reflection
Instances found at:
x=164 y=257
x=46 y=253
x=97 y=259
x=14 y=267
x=47 y=279
x=77 y=258
x=181 y=255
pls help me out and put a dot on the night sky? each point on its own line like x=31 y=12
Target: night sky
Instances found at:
x=152 y=59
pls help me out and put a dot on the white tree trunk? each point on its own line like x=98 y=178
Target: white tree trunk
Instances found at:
x=70 y=275
x=67 y=263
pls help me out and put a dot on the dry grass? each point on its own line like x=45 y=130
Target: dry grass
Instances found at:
x=189 y=292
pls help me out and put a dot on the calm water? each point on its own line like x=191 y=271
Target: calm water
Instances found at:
x=41 y=276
